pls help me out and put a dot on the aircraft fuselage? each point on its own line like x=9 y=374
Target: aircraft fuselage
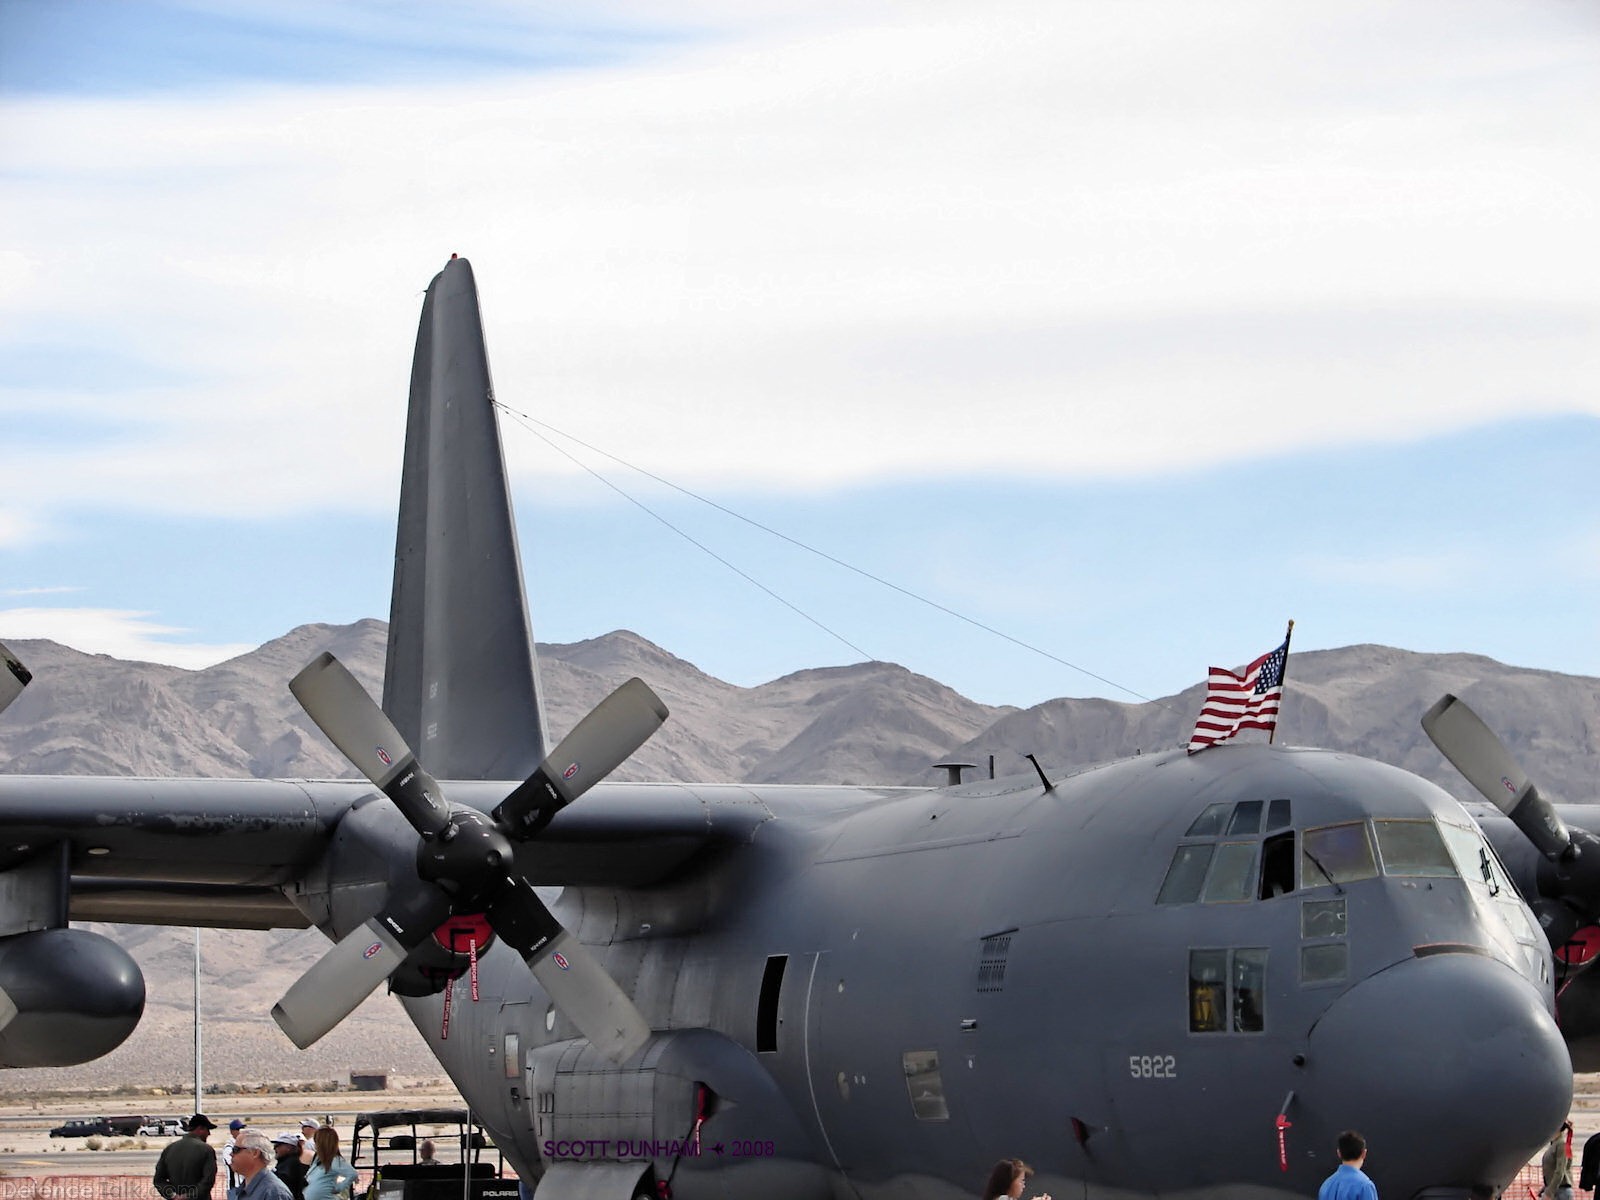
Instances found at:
x=885 y=991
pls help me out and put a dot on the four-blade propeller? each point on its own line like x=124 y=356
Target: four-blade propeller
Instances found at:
x=1569 y=878
x=1487 y=765
x=465 y=862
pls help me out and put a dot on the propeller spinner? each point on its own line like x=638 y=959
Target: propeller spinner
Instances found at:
x=466 y=862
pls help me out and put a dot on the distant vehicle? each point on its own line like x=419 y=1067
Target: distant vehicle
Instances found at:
x=169 y=1127
x=97 y=1126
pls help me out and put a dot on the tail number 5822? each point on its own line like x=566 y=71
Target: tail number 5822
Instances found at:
x=1153 y=1066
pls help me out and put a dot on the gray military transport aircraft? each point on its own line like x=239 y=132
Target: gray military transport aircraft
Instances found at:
x=1172 y=975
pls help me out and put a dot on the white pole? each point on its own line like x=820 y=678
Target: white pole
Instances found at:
x=198 y=1093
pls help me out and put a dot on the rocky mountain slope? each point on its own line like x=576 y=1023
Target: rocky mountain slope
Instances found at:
x=868 y=723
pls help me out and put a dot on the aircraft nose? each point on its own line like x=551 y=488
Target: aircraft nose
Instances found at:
x=1448 y=1064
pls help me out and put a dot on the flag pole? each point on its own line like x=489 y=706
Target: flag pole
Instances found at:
x=1288 y=633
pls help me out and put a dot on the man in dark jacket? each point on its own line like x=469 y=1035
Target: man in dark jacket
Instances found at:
x=188 y=1167
x=289 y=1168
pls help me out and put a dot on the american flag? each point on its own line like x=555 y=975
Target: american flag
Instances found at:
x=1235 y=702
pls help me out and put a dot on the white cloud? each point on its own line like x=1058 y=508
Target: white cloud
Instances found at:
x=1055 y=239
x=18 y=528
x=117 y=632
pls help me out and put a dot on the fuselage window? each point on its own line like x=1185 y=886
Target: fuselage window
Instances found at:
x=1210 y=822
x=1246 y=818
x=767 y=1002
x=925 y=1085
x=1337 y=854
x=1328 y=963
x=1227 y=990
x=1413 y=848
x=1208 y=991
x=1322 y=918
x=1232 y=874
x=1249 y=990
x=1186 y=874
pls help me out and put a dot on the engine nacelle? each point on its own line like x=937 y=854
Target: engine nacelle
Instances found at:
x=76 y=996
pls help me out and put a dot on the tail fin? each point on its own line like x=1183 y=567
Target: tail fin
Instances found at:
x=461 y=683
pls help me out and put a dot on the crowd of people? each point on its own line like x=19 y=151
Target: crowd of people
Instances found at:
x=304 y=1165
x=308 y=1166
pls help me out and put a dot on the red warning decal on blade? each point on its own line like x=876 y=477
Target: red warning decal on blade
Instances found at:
x=372 y=949
x=561 y=960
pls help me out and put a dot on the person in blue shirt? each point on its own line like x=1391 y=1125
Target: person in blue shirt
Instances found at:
x=330 y=1175
x=252 y=1159
x=1349 y=1182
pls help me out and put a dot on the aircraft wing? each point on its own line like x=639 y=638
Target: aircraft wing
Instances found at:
x=220 y=852
x=212 y=852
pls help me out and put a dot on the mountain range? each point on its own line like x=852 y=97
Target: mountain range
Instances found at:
x=867 y=723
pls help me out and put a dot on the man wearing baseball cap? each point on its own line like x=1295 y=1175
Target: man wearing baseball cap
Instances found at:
x=252 y=1155
x=188 y=1167
x=289 y=1168
x=234 y=1126
x=308 y=1130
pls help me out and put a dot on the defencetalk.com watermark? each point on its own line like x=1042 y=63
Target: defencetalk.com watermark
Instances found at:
x=77 y=1187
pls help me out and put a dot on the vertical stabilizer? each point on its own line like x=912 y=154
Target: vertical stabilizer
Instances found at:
x=461 y=684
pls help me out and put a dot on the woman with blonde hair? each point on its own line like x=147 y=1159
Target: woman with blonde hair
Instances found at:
x=329 y=1176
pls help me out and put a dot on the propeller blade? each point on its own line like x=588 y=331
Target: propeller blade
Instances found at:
x=354 y=723
x=597 y=746
x=1487 y=765
x=571 y=976
x=346 y=975
x=13 y=677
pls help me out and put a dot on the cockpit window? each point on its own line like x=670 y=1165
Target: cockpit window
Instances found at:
x=1233 y=872
x=1186 y=874
x=1413 y=848
x=1337 y=854
x=1472 y=857
x=1246 y=818
x=1226 y=872
x=1210 y=822
x=1278 y=815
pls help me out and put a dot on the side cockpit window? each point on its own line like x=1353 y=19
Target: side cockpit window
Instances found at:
x=1225 y=859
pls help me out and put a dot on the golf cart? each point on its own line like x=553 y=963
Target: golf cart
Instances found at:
x=389 y=1151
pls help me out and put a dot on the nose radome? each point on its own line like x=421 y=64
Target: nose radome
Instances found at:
x=1449 y=1065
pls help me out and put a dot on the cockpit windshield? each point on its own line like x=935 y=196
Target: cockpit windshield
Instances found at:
x=1246 y=850
x=1337 y=854
x=1413 y=848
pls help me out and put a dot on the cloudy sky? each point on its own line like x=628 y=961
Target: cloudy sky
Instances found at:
x=1129 y=330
